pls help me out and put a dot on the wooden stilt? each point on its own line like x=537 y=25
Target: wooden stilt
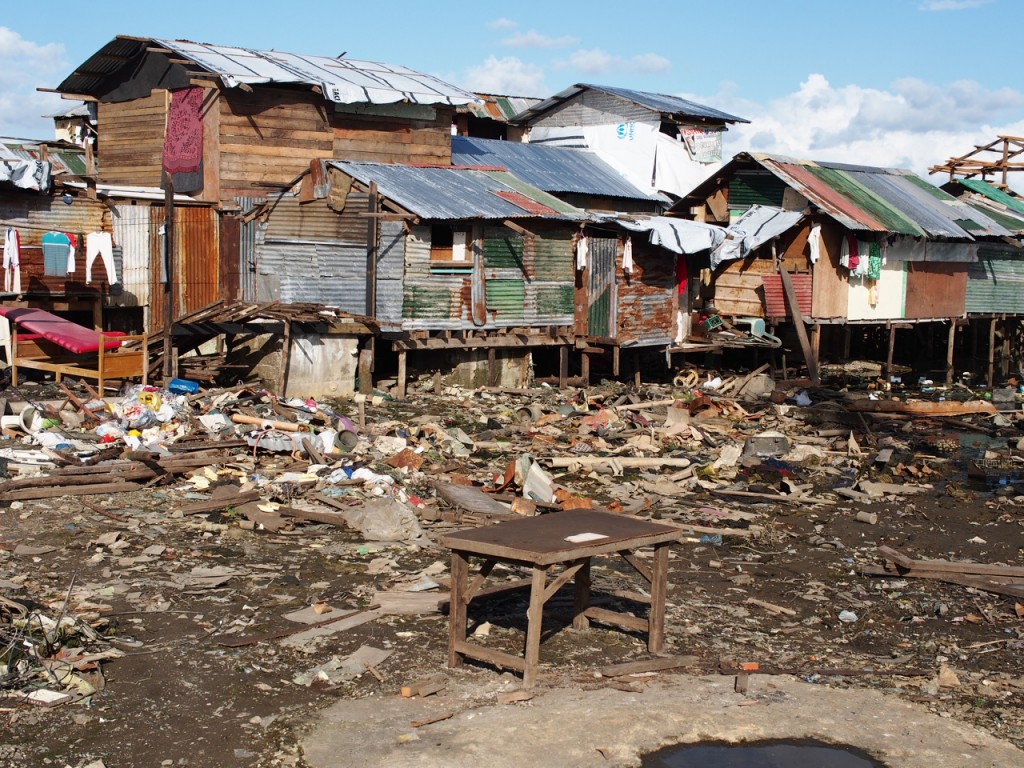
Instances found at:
x=991 y=352
x=401 y=374
x=492 y=367
x=892 y=347
x=585 y=364
x=437 y=382
x=365 y=371
x=563 y=366
x=636 y=369
x=950 y=344
x=616 y=361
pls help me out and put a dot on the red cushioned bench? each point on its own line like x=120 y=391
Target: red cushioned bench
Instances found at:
x=65 y=348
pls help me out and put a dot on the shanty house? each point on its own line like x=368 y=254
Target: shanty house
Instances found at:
x=662 y=143
x=465 y=263
x=228 y=122
x=873 y=247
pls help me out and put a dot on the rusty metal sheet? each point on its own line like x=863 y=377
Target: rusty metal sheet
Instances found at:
x=775 y=297
x=935 y=289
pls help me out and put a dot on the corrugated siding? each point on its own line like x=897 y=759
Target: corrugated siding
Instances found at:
x=995 y=282
x=198 y=245
x=132 y=233
x=247 y=250
x=315 y=222
x=935 y=289
x=390 y=270
x=775 y=296
x=597 y=108
x=324 y=273
x=503 y=249
x=506 y=299
x=647 y=298
x=883 y=302
x=601 y=309
x=749 y=188
x=431 y=300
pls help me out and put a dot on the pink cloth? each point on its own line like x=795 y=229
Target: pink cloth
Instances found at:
x=71 y=336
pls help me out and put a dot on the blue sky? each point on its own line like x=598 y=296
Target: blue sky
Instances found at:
x=880 y=82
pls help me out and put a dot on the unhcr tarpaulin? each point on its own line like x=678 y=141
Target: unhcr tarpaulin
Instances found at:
x=24 y=172
x=677 y=235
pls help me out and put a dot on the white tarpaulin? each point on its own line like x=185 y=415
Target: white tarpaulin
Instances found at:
x=677 y=235
x=24 y=173
x=759 y=225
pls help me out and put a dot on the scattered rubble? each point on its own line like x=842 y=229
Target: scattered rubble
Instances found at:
x=819 y=536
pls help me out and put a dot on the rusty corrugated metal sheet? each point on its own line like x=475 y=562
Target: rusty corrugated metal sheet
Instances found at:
x=247 y=249
x=602 y=310
x=775 y=297
x=935 y=289
x=647 y=298
x=198 y=258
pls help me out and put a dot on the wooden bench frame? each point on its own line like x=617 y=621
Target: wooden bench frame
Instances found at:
x=43 y=355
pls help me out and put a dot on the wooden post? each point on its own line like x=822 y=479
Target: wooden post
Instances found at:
x=401 y=374
x=1004 y=361
x=892 y=347
x=847 y=339
x=616 y=364
x=372 y=235
x=492 y=367
x=582 y=597
x=950 y=343
x=457 y=609
x=172 y=268
x=534 y=625
x=810 y=357
x=365 y=371
x=286 y=357
x=437 y=383
x=659 y=592
x=991 y=352
x=585 y=368
x=563 y=366
x=636 y=368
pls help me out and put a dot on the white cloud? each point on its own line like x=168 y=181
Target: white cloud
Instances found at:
x=502 y=23
x=534 y=39
x=596 y=61
x=24 y=66
x=952 y=5
x=509 y=76
x=911 y=125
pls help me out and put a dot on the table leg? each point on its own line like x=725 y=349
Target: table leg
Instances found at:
x=579 y=620
x=457 y=609
x=659 y=590
x=534 y=625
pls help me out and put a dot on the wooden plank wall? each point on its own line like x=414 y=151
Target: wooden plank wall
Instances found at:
x=271 y=135
x=739 y=288
x=131 y=140
x=831 y=284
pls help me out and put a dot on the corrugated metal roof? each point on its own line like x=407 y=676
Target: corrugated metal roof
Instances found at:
x=347 y=81
x=501 y=108
x=438 y=192
x=993 y=193
x=869 y=198
x=552 y=169
x=657 y=102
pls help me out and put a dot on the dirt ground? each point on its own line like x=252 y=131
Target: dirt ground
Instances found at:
x=791 y=598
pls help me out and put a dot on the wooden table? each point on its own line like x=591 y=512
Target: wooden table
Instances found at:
x=570 y=539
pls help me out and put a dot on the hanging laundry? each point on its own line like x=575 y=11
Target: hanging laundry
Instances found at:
x=814 y=241
x=100 y=244
x=12 y=261
x=582 y=251
x=627 y=256
x=56 y=252
x=71 y=253
x=875 y=261
x=854 y=262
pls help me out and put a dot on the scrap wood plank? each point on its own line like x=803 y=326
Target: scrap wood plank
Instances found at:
x=220 y=504
x=425 y=687
x=659 y=664
x=922 y=407
x=949 y=566
x=993 y=584
x=410 y=603
x=82 y=490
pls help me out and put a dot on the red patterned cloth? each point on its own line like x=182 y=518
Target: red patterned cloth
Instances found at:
x=183 y=143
